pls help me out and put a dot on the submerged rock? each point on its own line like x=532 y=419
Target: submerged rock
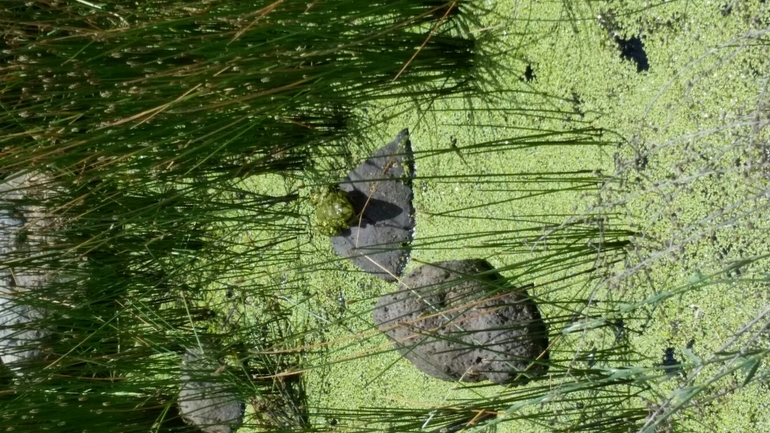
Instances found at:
x=24 y=231
x=20 y=342
x=381 y=195
x=458 y=320
x=210 y=405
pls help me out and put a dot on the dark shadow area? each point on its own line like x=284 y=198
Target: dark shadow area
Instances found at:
x=670 y=364
x=633 y=50
x=529 y=74
x=374 y=210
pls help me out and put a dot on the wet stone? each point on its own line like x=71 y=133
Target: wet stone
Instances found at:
x=19 y=342
x=205 y=402
x=458 y=320
x=381 y=194
x=23 y=232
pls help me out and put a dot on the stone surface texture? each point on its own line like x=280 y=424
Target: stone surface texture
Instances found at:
x=208 y=404
x=381 y=193
x=458 y=320
x=24 y=230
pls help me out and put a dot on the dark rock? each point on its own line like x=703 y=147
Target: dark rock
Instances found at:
x=381 y=194
x=458 y=320
x=209 y=404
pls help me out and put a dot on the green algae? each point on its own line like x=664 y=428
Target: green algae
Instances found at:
x=673 y=153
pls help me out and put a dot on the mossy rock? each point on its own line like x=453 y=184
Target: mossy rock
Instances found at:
x=459 y=320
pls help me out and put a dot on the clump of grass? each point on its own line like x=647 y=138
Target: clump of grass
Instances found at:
x=159 y=225
x=219 y=89
x=144 y=119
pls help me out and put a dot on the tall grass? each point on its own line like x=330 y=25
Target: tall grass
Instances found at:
x=142 y=121
x=218 y=88
x=162 y=131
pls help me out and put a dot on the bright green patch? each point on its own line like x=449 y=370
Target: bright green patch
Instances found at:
x=334 y=212
x=538 y=168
